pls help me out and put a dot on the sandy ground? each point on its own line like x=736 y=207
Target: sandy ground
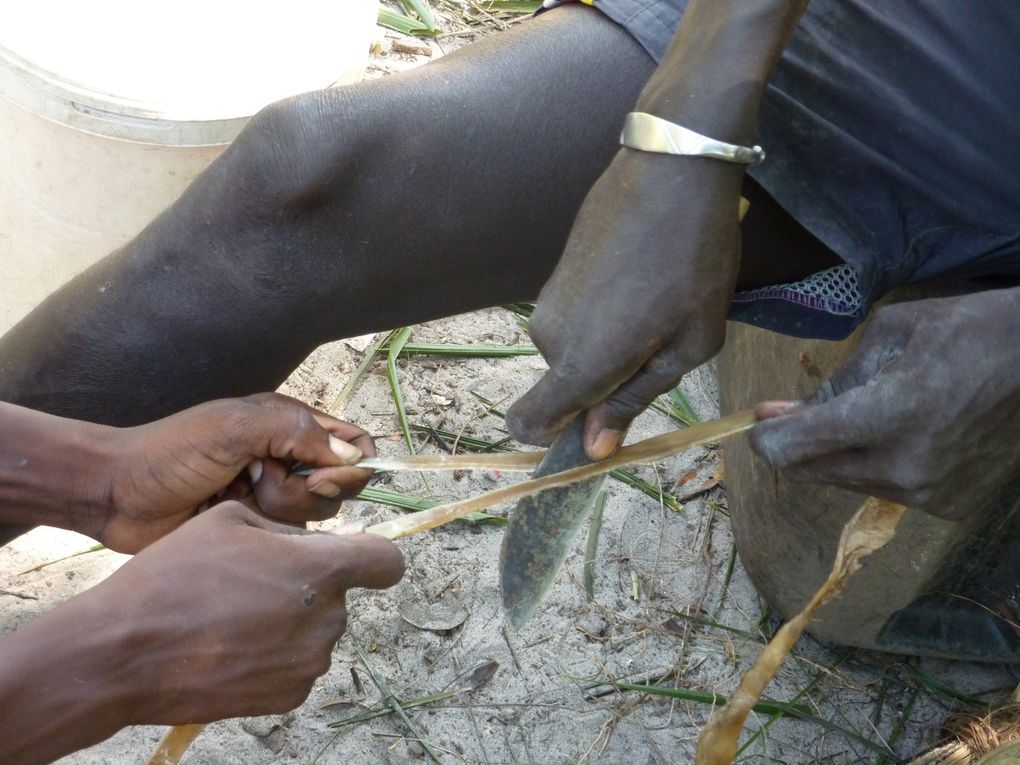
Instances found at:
x=665 y=607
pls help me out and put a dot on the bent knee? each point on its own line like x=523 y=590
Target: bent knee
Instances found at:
x=300 y=152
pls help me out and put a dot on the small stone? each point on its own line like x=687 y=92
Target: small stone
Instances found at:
x=416 y=749
x=412 y=47
x=443 y=616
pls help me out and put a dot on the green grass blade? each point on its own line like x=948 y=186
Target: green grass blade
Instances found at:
x=625 y=476
x=392 y=498
x=591 y=547
x=683 y=407
x=421 y=10
x=764 y=706
x=489 y=404
x=819 y=676
x=511 y=6
x=901 y=724
x=730 y=565
x=86 y=551
x=469 y=351
x=398 y=22
x=366 y=361
x=394 y=704
x=705 y=622
x=523 y=310
x=468 y=443
x=392 y=352
x=939 y=688
x=371 y=714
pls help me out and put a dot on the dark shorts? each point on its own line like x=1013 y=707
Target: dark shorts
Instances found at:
x=893 y=135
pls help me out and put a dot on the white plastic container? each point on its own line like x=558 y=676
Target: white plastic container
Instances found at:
x=109 y=108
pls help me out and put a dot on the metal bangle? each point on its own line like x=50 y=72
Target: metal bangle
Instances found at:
x=647 y=132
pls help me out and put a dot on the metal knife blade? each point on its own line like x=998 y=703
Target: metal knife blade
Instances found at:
x=542 y=528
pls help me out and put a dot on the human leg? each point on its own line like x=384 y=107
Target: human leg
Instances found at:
x=341 y=212
x=447 y=189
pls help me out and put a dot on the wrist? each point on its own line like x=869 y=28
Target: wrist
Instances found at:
x=725 y=114
x=64 y=681
x=714 y=73
x=664 y=179
x=55 y=471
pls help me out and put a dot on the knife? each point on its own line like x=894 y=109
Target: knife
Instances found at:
x=542 y=528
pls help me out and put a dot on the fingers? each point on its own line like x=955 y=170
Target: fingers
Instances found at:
x=362 y=560
x=338 y=482
x=281 y=427
x=846 y=423
x=860 y=407
x=348 y=559
x=767 y=410
x=295 y=432
x=285 y=496
x=607 y=421
x=541 y=413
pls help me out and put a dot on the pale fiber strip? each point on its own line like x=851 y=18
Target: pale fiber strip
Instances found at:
x=523 y=462
x=174 y=744
x=649 y=450
x=871 y=527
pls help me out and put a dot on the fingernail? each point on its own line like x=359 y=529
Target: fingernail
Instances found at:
x=326 y=489
x=768 y=409
x=349 y=453
x=255 y=470
x=348 y=528
x=606 y=442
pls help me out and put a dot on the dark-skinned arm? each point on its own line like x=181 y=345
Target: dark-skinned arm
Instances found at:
x=127 y=487
x=641 y=294
x=230 y=615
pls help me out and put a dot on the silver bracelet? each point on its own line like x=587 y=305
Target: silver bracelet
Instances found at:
x=647 y=132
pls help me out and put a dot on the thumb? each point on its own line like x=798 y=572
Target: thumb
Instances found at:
x=609 y=420
x=358 y=559
x=352 y=559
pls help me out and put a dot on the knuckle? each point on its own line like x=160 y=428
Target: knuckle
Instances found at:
x=321 y=660
x=302 y=421
x=626 y=403
x=519 y=422
x=764 y=442
x=542 y=330
x=392 y=561
x=260 y=399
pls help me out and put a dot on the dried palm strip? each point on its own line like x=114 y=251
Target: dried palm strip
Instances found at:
x=975 y=737
x=170 y=750
x=871 y=527
x=649 y=450
x=174 y=744
x=509 y=462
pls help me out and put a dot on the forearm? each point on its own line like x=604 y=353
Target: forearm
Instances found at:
x=62 y=682
x=51 y=471
x=714 y=72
